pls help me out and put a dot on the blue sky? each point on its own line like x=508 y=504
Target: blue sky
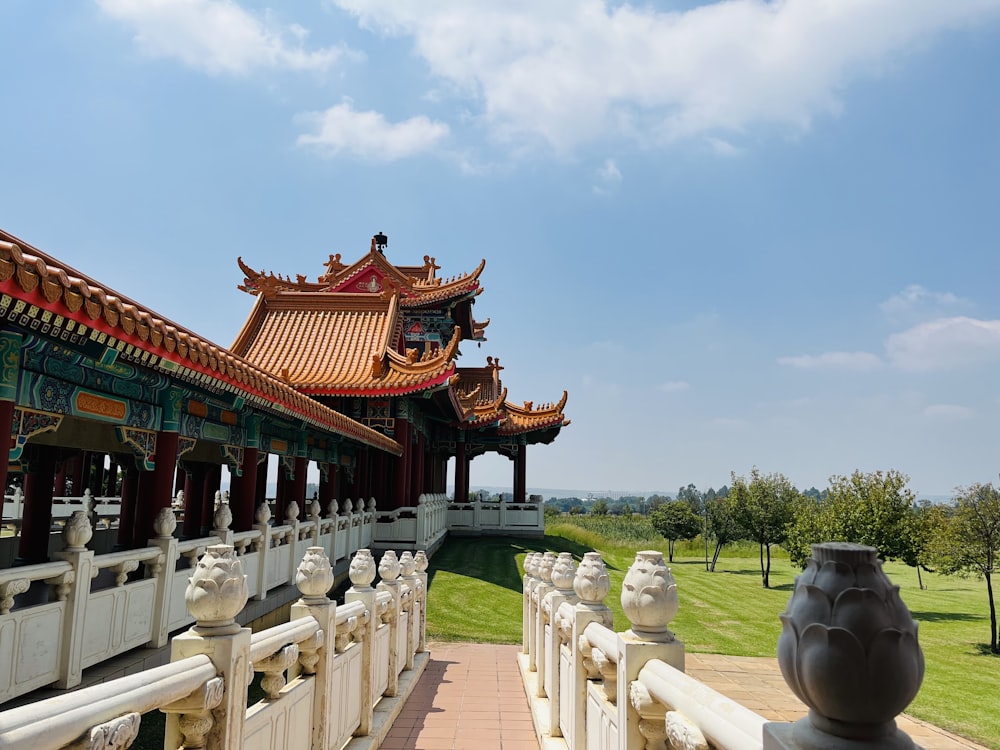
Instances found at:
x=738 y=233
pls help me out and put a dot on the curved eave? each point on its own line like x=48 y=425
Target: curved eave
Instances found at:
x=39 y=280
x=374 y=389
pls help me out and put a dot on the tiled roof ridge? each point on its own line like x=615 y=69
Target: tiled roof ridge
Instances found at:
x=90 y=303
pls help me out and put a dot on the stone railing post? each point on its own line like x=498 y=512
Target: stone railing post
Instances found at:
x=362 y=573
x=422 y=563
x=76 y=533
x=261 y=516
x=331 y=514
x=314 y=579
x=563 y=575
x=163 y=570
x=222 y=519
x=410 y=579
x=649 y=599
x=420 y=536
x=315 y=515
x=213 y=718
x=856 y=683
x=388 y=570
x=531 y=580
x=591 y=584
x=543 y=587
x=292 y=519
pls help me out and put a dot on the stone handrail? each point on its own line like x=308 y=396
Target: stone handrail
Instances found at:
x=56 y=722
x=203 y=690
x=112 y=559
x=635 y=681
x=17 y=581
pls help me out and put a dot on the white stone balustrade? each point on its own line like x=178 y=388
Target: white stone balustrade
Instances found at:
x=61 y=617
x=422 y=527
x=324 y=680
x=476 y=518
x=598 y=689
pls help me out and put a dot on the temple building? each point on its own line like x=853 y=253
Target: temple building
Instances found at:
x=355 y=372
x=379 y=343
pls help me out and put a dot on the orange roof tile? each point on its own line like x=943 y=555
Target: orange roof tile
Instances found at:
x=50 y=285
x=339 y=344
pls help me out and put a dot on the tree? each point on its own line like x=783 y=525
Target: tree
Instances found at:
x=722 y=527
x=675 y=520
x=876 y=509
x=692 y=497
x=576 y=510
x=969 y=542
x=599 y=508
x=764 y=508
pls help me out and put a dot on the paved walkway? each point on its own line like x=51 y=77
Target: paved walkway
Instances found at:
x=471 y=698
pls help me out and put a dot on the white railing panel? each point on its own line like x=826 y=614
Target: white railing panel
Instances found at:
x=380 y=662
x=567 y=691
x=251 y=567
x=602 y=721
x=347 y=711
x=178 y=616
x=30 y=643
x=284 y=724
x=402 y=640
x=118 y=619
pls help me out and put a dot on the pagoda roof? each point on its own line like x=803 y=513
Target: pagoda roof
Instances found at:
x=29 y=274
x=481 y=395
x=417 y=286
x=340 y=344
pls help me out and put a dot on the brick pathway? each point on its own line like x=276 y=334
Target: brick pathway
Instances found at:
x=470 y=697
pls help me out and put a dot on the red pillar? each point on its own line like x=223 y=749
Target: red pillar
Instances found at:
x=77 y=474
x=520 y=464
x=261 y=494
x=243 y=491
x=156 y=486
x=461 y=474
x=7 y=420
x=211 y=484
x=417 y=470
x=36 y=518
x=126 y=513
x=326 y=489
x=298 y=485
x=194 y=500
x=401 y=483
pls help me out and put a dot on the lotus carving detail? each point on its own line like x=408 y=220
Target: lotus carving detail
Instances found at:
x=848 y=646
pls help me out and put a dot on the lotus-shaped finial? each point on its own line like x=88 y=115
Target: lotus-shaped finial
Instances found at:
x=592 y=582
x=217 y=590
x=563 y=572
x=649 y=596
x=362 y=570
x=314 y=576
x=848 y=647
x=388 y=566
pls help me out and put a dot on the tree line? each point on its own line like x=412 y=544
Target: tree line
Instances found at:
x=874 y=508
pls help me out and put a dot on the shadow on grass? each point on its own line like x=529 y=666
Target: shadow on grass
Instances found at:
x=983 y=649
x=494 y=559
x=946 y=617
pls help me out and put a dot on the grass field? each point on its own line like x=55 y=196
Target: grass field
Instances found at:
x=476 y=596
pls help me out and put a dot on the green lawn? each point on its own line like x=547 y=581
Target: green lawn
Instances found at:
x=476 y=595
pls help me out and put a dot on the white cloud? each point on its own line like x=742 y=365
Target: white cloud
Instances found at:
x=949 y=412
x=722 y=147
x=945 y=344
x=217 y=36
x=860 y=361
x=342 y=129
x=566 y=72
x=609 y=177
x=673 y=386
x=916 y=301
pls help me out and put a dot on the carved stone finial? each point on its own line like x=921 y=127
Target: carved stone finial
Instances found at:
x=592 y=582
x=165 y=523
x=362 y=570
x=347 y=506
x=359 y=505
x=371 y=505
x=848 y=649
x=388 y=566
x=563 y=573
x=291 y=511
x=263 y=513
x=546 y=565
x=77 y=531
x=218 y=590
x=314 y=576
x=223 y=517
x=421 y=560
x=315 y=510
x=649 y=597
x=407 y=565
x=331 y=509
